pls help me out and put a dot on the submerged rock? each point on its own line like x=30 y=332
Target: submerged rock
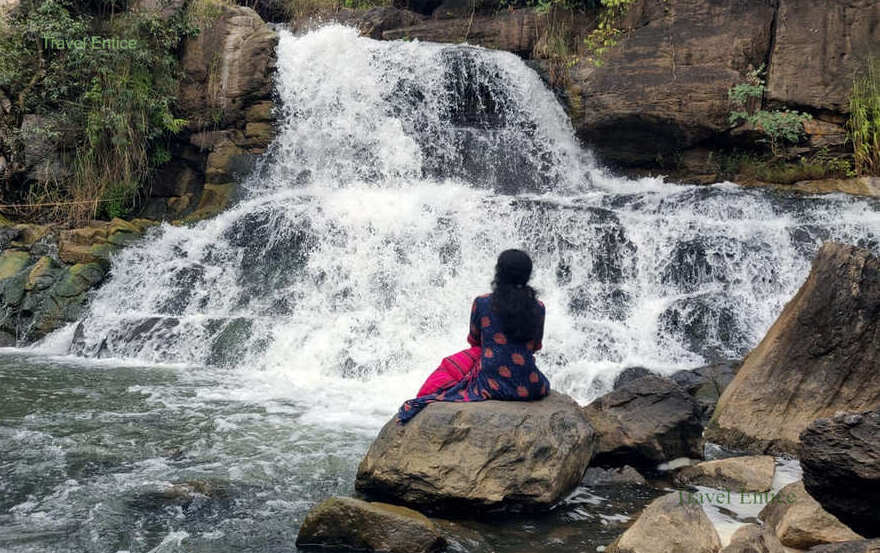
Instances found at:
x=348 y=523
x=800 y=522
x=751 y=538
x=841 y=461
x=645 y=422
x=484 y=455
x=820 y=356
x=751 y=474
x=669 y=525
x=598 y=476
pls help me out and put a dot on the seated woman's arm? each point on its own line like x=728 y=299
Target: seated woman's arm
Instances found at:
x=474 y=335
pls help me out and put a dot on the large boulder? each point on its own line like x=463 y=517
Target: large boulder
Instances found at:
x=752 y=538
x=819 y=44
x=800 y=522
x=664 y=87
x=820 y=356
x=226 y=67
x=669 y=525
x=707 y=383
x=482 y=455
x=353 y=524
x=841 y=461
x=645 y=422
x=857 y=546
x=750 y=474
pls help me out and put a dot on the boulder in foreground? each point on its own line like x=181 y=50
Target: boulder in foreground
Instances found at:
x=348 y=523
x=841 y=461
x=668 y=525
x=750 y=474
x=483 y=455
x=645 y=422
x=800 y=522
x=819 y=357
x=858 y=546
x=751 y=538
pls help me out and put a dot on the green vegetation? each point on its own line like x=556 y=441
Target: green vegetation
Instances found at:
x=781 y=127
x=748 y=166
x=864 y=123
x=607 y=30
x=108 y=104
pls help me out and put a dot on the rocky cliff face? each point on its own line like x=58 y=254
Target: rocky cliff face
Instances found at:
x=660 y=99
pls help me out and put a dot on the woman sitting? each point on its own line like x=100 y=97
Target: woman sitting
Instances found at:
x=508 y=326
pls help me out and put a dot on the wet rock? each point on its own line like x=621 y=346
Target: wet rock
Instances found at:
x=645 y=422
x=629 y=374
x=598 y=476
x=353 y=524
x=840 y=457
x=706 y=384
x=485 y=455
x=800 y=522
x=819 y=357
x=751 y=474
x=669 y=525
x=751 y=538
x=375 y=21
x=858 y=546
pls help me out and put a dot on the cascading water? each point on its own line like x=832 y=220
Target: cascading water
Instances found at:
x=400 y=171
x=305 y=314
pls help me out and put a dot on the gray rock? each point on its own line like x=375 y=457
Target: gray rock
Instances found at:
x=750 y=474
x=857 y=546
x=353 y=524
x=668 y=525
x=751 y=538
x=484 y=455
x=840 y=457
x=800 y=522
x=598 y=476
x=645 y=422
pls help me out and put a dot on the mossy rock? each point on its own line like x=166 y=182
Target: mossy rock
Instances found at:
x=11 y=262
x=261 y=111
x=78 y=280
x=43 y=274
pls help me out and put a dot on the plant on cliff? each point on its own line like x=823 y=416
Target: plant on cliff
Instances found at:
x=607 y=30
x=107 y=107
x=780 y=127
x=864 y=122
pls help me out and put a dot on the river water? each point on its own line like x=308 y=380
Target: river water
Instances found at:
x=231 y=374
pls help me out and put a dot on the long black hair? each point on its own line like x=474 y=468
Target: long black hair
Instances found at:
x=512 y=298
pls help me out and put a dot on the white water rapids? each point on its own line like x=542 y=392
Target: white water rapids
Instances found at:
x=400 y=171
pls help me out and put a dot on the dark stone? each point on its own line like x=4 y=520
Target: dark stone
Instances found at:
x=598 y=476
x=707 y=383
x=857 y=546
x=645 y=422
x=629 y=374
x=840 y=457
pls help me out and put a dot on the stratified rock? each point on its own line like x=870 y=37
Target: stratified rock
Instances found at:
x=375 y=21
x=525 y=455
x=668 y=525
x=347 y=523
x=841 y=461
x=707 y=383
x=858 y=546
x=800 y=522
x=645 y=422
x=664 y=87
x=751 y=538
x=751 y=474
x=820 y=356
x=226 y=67
x=512 y=30
x=598 y=476
x=819 y=44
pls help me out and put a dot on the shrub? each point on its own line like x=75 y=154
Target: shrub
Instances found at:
x=112 y=107
x=864 y=123
x=780 y=127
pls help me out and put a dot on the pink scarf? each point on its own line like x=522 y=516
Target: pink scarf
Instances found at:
x=451 y=371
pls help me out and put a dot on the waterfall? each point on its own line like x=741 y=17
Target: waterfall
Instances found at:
x=400 y=171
